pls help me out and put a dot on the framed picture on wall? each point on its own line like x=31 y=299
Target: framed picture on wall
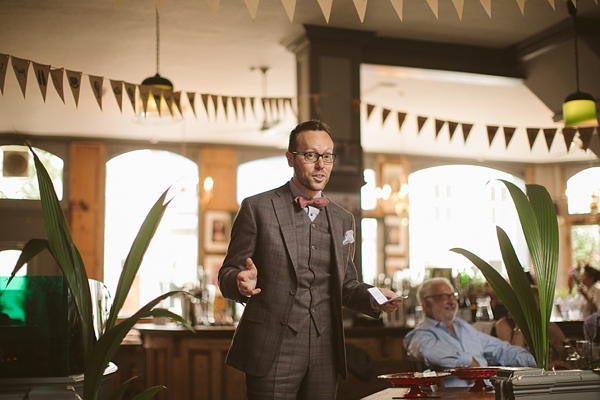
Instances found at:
x=392 y=174
x=217 y=230
x=396 y=235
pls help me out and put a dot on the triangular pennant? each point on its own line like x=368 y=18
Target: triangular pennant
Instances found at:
x=384 y=114
x=57 y=75
x=144 y=95
x=3 y=68
x=177 y=101
x=554 y=5
x=433 y=4
x=130 y=90
x=325 y=8
x=167 y=95
x=568 y=135
x=459 y=5
x=243 y=106
x=21 y=68
x=532 y=135
x=438 y=126
x=290 y=7
x=491 y=131
x=451 y=128
x=370 y=108
x=264 y=101
x=225 y=101
x=397 y=4
x=420 y=123
x=521 y=4
x=96 y=84
x=291 y=105
x=215 y=103
x=234 y=101
x=585 y=134
x=361 y=9
x=400 y=117
x=117 y=89
x=549 y=134
x=74 y=80
x=487 y=6
x=156 y=94
x=275 y=108
x=253 y=105
x=191 y=96
x=41 y=72
x=252 y=6
x=213 y=5
x=508 y=134
x=466 y=130
x=204 y=98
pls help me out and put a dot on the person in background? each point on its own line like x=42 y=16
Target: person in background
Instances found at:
x=589 y=326
x=291 y=262
x=589 y=291
x=444 y=341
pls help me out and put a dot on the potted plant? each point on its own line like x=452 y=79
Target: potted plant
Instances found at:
x=97 y=351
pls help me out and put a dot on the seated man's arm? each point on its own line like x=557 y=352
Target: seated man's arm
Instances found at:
x=434 y=351
x=498 y=352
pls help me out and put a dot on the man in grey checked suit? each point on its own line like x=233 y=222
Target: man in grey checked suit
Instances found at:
x=290 y=260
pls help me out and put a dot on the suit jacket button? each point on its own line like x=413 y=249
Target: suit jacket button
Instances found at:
x=292 y=292
x=283 y=322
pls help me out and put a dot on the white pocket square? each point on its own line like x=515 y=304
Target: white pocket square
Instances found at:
x=348 y=237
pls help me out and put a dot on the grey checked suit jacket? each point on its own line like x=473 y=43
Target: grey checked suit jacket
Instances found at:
x=264 y=231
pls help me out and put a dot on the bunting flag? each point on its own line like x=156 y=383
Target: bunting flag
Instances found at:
x=420 y=123
x=168 y=97
x=192 y=100
x=264 y=103
x=117 y=89
x=290 y=7
x=508 y=135
x=521 y=4
x=466 y=130
x=57 y=75
x=361 y=9
x=487 y=6
x=157 y=96
x=370 y=108
x=325 y=8
x=585 y=134
x=275 y=108
x=532 y=135
x=130 y=90
x=234 y=101
x=459 y=6
x=144 y=95
x=225 y=101
x=3 y=68
x=252 y=105
x=214 y=6
x=451 y=128
x=554 y=5
x=21 y=68
x=384 y=114
x=243 y=105
x=252 y=6
x=96 y=84
x=491 y=131
x=215 y=103
x=177 y=101
x=397 y=4
x=74 y=81
x=288 y=100
x=568 y=135
x=433 y=4
x=41 y=72
x=204 y=102
x=400 y=117
x=438 y=126
x=549 y=134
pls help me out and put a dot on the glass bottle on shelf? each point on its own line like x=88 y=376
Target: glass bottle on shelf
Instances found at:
x=464 y=306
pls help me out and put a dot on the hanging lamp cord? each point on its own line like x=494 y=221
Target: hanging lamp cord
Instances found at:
x=157 y=42
x=573 y=12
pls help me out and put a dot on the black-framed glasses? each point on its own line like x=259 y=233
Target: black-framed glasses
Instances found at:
x=443 y=296
x=313 y=157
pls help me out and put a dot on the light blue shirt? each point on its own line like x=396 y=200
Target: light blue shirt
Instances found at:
x=432 y=342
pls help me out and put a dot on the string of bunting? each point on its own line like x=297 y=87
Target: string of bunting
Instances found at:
x=549 y=133
x=274 y=106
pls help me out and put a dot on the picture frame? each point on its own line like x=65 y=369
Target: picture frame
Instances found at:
x=212 y=263
x=393 y=264
x=217 y=230
x=396 y=235
x=394 y=175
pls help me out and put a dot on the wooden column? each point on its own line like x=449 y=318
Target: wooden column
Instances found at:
x=86 y=183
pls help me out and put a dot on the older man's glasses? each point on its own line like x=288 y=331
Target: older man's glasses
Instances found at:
x=443 y=296
x=312 y=157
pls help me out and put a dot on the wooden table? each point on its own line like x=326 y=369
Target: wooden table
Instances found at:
x=441 y=393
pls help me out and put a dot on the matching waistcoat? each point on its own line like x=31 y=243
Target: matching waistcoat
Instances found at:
x=313 y=296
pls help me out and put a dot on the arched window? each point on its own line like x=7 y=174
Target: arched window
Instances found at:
x=273 y=172
x=18 y=179
x=134 y=181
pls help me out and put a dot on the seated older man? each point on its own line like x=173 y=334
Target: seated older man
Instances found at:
x=448 y=342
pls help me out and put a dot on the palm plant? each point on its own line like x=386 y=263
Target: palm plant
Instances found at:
x=537 y=216
x=97 y=352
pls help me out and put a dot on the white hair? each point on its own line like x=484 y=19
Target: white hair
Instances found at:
x=425 y=289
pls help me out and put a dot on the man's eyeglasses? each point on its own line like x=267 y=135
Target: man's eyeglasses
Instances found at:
x=443 y=296
x=312 y=157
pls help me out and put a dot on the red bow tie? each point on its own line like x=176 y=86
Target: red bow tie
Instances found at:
x=319 y=202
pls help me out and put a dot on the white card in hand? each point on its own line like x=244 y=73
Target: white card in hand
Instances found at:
x=380 y=297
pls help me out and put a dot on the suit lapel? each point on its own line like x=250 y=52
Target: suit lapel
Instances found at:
x=284 y=211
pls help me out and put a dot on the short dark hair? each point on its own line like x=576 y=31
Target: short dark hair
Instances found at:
x=592 y=272
x=311 y=125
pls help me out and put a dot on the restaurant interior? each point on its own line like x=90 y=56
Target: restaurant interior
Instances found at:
x=430 y=102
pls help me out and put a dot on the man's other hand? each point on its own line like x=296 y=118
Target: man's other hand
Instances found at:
x=246 y=279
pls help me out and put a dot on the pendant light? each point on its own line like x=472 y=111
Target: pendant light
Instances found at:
x=156 y=92
x=579 y=108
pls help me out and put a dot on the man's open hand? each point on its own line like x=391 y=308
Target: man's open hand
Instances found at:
x=246 y=279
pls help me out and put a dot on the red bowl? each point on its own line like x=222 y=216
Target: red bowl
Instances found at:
x=474 y=372
x=408 y=379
